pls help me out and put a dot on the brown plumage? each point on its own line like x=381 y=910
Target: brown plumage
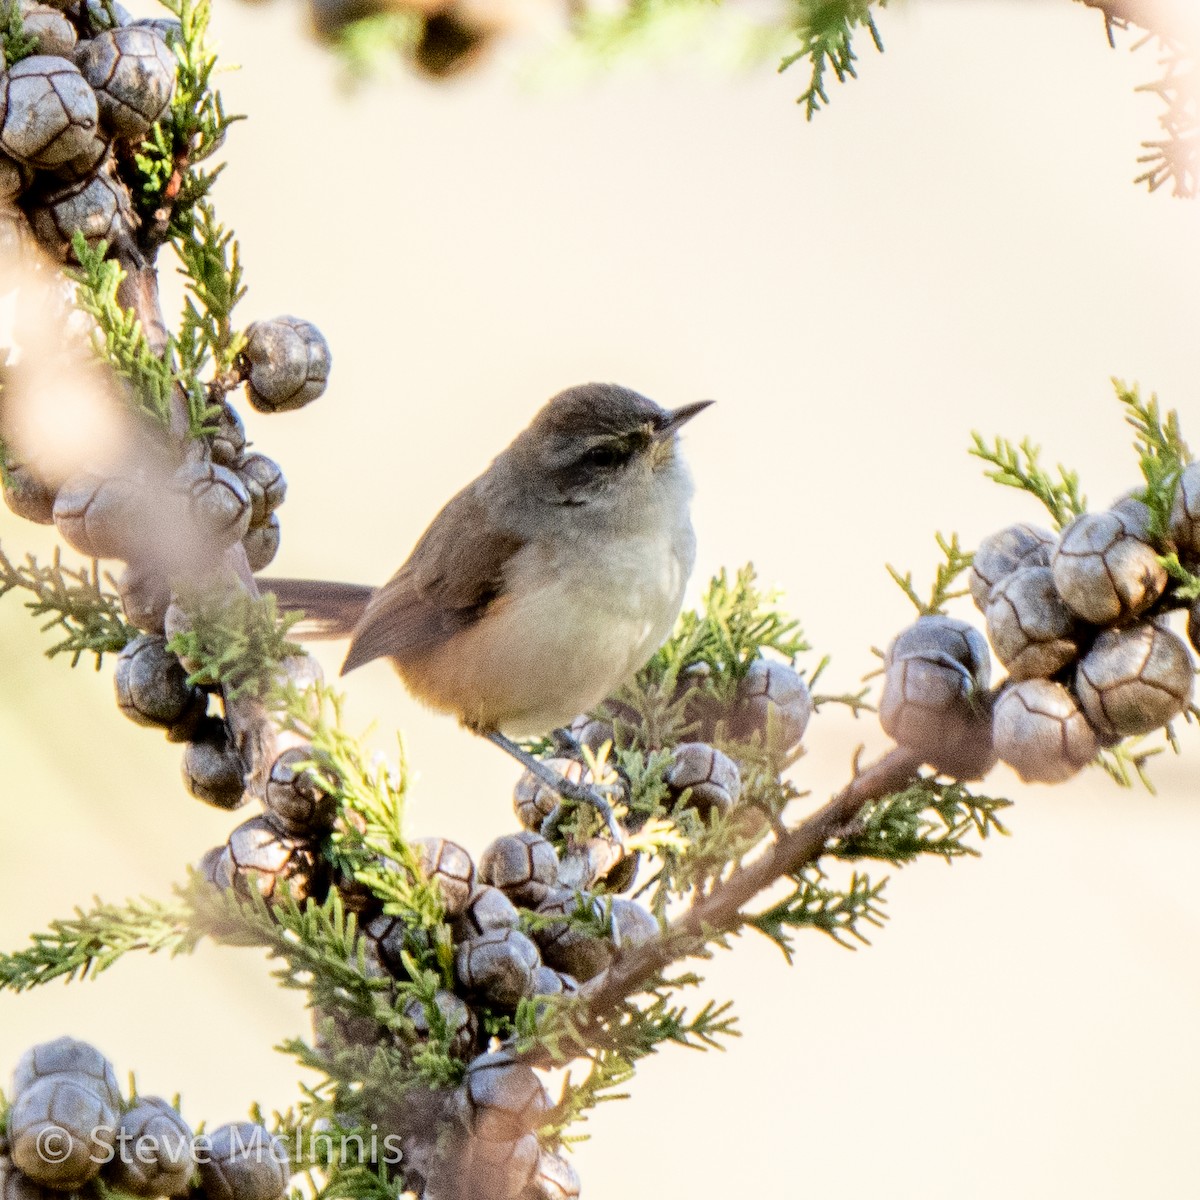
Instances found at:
x=545 y=583
x=454 y=572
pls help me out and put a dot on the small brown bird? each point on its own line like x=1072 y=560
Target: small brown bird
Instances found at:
x=542 y=586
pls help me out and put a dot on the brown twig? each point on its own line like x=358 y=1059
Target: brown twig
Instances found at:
x=720 y=911
x=155 y=233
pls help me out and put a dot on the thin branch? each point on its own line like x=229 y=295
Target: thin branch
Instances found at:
x=720 y=910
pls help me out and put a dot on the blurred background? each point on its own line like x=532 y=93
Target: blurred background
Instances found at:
x=955 y=245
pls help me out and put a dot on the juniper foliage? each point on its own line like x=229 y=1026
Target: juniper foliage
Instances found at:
x=15 y=43
x=170 y=162
x=1020 y=467
x=79 y=605
x=119 y=337
x=236 y=641
x=825 y=30
x=955 y=563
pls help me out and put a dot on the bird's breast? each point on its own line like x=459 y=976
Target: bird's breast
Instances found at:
x=576 y=621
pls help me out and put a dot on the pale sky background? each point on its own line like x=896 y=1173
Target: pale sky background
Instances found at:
x=954 y=245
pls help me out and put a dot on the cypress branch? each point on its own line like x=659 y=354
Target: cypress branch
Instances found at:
x=83 y=946
x=76 y=601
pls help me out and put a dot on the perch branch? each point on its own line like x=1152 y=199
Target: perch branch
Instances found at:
x=721 y=909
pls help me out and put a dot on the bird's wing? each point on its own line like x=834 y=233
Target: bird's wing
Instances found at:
x=453 y=574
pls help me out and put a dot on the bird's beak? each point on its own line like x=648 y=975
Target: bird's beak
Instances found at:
x=679 y=417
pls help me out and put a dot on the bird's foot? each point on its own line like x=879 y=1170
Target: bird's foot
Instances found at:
x=578 y=792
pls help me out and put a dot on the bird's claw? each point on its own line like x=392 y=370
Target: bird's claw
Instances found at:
x=591 y=797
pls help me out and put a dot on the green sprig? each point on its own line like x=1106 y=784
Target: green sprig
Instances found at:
x=317 y=946
x=1019 y=467
x=83 y=946
x=815 y=904
x=319 y=950
x=929 y=818
x=172 y=181
x=1162 y=455
x=124 y=343
x=955 y=561
x=735 y=623
x=369 y=844
x=630 y=1035
x=1128 y=760
x=213 y=270
x=76 y=601
x=14 y=41
x=825 y=30
x=238 y=642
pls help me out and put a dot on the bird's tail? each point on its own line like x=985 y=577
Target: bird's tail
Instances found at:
x=331 y=610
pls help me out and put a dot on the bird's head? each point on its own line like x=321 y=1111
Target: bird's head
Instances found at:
x=603 y=447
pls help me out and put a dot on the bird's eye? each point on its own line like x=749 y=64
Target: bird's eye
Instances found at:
x=604 y=456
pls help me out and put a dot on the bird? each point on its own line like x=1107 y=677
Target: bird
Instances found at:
x=543 y=585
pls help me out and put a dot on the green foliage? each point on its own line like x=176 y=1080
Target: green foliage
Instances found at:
x=1019 y=467
x=332 y=1156
x=687 y=850
x=14 y=41
x=815 y=904
x=124 y=341
x=856 y=702
x=1187 y=583
x=368 y=844
x=172 y=179
x=1129 y=758
x=90 y=942
x=76 y=602
x=825 y=30
x=238 y=641
x=955 y=562
x=736 y=622
x=317 y=945
x=930 y=817
x=594 y=920
x=608 y=1072
x=171 y=197
x=319 y=950
x=699 y=667
x=630 y=1034
x=213 y=270
x=646 y=773
x=700 y=853
x=1162 y=455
